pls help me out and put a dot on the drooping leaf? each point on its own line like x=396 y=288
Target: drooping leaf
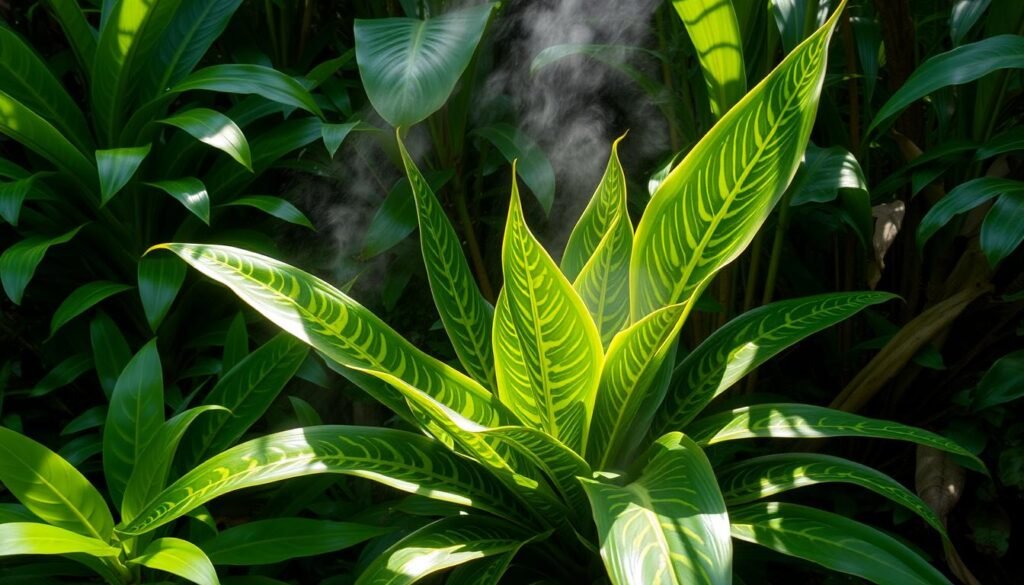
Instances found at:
x=337 y=326
x=215 y=129
x=804 y=421
x=531 y=163
x=670 y=526
x=135 y=416
x=335 y=134
x=32 y=538
x=26 y=78
x=227 y=178
x=762 y=477
x=51 y=488
x=12 y=195
x=149 y=475
x=823 y=172
x=466 y=315
x=82 y=299
x=116 y=167
x=190 y=192
x=961 y=198
x=178 y=557
x=277 y=540
x=833 y=541
x=440 y=545
x=624 y=396
x=1003 y=228
x=746 y=342
x=715 y=32
x=18 y=263
x=109 y=350
x=274 y=206
x=710 y=206
x=247 y=391
x=251 y=79
x=160 y=279
x=400 y=459
x=547 y=350
x=31 y=130
x=963 y=64
x=1001 y=383
x=409 y=67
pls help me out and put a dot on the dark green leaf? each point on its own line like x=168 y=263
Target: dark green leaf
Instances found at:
x=273 y=541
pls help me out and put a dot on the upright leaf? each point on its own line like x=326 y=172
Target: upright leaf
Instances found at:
x=337 y=326
x=715 y=32
x=710 y=206
x=409 y=67
x=964 y=15
x=160 y=279
x=546 y=347
x=531 y=164
x=669 y=526
x=116 y=167
x=32 y=538
x=77 y=30
x=19 y=262
x=23 y=125
x=276 y=540
x=135 y=415
x=466 y=315
x=833 y=541
x=215 y=129
x=1003 y=228
x=178 y=557
x=109 y=349
x=400 y=459
x=51 y=488
x=746 y=342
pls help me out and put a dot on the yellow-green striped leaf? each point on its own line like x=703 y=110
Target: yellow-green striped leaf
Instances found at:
x=670 y=526
x=746 y=342
x=715 y=32
x=633 y=360
x=339 y=327
x=833 y=541
x=597 y=254
x=710 y=206
x=547 y=349
x=400 y=459
x=466 y=315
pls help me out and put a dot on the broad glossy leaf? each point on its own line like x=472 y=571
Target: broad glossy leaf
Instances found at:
x=160 y=279
x=135 y=415
x=18 y=263
x=833 y=541
x=804 y=421
x=128 y=31
x=178 y=557
x=1003 y=228
x=109 y=350
x=409 y=67
x=193 y=28
x=82 y=299
x=20 y=123
x=400 y=459
x=715 y=32
x=670 y=526
x=64 y=373
x=335 y=134
x=275 y=206
x=116 y=167
x=226 y=177
x=547 y=350
x=247 y=391
x=762 y=477
x=1001 y=383
x=964 y=15
x=531 y=163
x=963 y=197
x=32 y=538
x=12 y=196
x=633 y=360
x=466 y=315
x=710 y=206
x=79 y=33
x=963 y=64
x=337 y=326
x=440 y=545
x=266 y=542
x=746 y=342
x=190 y=192
x=149 y=475
x=823 y=172
x=597 y=254
x=215 y=129
x=251 y=79
x=51 y=488
x=27 y=78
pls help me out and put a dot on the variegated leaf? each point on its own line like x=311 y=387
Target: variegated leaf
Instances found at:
x=546 y=347
x=708 y=209
x=466 y=315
